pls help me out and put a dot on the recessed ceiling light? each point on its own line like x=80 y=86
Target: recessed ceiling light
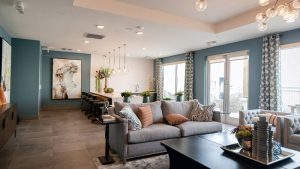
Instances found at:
x=100 y=26
x=78 y=50
x=140 y=33
x=144 y=48
x=86 y=42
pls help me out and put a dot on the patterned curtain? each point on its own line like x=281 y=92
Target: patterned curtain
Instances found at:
x=270 y=87
x=189 y=76
x=159 y=78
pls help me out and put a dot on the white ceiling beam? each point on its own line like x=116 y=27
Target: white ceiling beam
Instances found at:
x=146 y=14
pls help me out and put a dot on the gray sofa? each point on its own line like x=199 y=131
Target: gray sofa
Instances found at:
x=291 y=138
x=131 y=144
x=246 y=116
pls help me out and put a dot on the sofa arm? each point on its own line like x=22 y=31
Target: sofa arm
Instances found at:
x=245 y=117
x=118 y=136
x=291 y=123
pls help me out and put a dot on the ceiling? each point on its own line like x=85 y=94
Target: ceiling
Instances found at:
x=171 y=26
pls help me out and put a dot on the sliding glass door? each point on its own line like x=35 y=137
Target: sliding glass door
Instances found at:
x=227 y=82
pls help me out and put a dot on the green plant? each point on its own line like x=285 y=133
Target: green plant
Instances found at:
x=167 y=98
x=146 y=94
x=180 y=93
x=109 y=90
x=126 y=94
x=242 y=131
x=106 y=72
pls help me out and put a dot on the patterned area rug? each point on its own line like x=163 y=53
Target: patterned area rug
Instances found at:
x=155 y=162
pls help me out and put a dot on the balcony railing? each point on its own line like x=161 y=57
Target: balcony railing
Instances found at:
x=290 y=98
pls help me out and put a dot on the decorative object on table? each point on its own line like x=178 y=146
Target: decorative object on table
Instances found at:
x=263 y=140
x=276 y=148
x=200 y=112
x=106 y=72
x=243 y=134
x=287 y=9
x=109 y=90
x=126 y=96
x=108 y=118
x=98 y=85
x=66 y=79
x=6 y=69
x=179 y=96
x=146 y=96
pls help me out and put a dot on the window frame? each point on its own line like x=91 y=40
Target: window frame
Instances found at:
x=176 y=73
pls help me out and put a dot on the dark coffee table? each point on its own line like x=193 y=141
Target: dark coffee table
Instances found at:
x=205 y=152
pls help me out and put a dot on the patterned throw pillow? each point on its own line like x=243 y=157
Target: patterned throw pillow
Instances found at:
x=145 y=116
x=175 y=119
x=133 y=121
x=201 y=113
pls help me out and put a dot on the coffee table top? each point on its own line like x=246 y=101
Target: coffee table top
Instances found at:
x=209 y=153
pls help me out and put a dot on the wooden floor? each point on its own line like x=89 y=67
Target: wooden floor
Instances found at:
x=62 y=139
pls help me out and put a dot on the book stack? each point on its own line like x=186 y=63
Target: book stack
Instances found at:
x=108 y=118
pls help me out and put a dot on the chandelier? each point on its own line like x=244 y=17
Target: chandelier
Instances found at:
x=287 y=9
x=201 y=5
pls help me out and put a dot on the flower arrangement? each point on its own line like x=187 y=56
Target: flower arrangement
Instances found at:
x=126 y=94
x=242 y=132
x=180 y=93
x=146 y=94
x=109 y=90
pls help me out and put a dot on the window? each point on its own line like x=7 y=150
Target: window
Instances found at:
x=174 y=75
x=290 y=78
x=227 y=82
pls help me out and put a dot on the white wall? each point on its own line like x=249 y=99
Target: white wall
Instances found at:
x=139 y=71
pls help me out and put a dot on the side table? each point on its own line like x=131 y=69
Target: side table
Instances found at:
x=107 y=159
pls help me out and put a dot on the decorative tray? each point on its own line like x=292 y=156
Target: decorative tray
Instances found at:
x=237 y=150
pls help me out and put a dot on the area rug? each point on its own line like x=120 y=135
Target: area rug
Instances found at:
x=155 y=162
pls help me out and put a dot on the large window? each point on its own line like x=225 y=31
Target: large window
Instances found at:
x=227 y=82
x=174 y=75
x=290 y=78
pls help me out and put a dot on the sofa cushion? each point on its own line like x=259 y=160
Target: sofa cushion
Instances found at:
x=133 y=121
x=294 y=139
x=193 y=128
x=145 y=116
x=184 y=108
x=154 y=132
x=155 y=109
x=175 y=119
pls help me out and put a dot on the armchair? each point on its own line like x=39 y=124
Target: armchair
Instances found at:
x=291 y=138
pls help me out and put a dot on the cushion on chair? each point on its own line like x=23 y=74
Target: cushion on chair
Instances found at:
x=193 y=128
x=154 y=132
x=175 y=119
x=155 y=109
x=145 y=116
x=133 y=121
x=184 y=108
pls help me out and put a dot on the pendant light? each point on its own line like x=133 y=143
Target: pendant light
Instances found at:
x=114 y=71
x=109 y=63
x=124 y=68
x=201 y=5
x=119 y=69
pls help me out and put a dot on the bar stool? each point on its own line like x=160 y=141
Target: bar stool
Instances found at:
x=83 y=101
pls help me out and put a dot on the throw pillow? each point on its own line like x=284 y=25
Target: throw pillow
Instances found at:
x=201 y=113
x=133 y=121
x=145 y=116
x=271 y=118
x=175 y=119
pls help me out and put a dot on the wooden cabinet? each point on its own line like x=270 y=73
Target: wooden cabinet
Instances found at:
x=8 y=122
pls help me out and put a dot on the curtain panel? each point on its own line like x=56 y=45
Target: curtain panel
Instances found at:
x=189 y=76
x=159 y=78
x=270 y=86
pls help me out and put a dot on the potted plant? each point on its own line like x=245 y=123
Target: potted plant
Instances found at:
x=109 y=90
x=179 y=96
x=106 y=72
x=126 y=96
x=243 y=134
x=146 y=96
x=99 y=76
x=167 y=99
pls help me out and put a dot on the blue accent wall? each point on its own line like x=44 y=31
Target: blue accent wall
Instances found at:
x=46 y=101
x=254 y=46
x=5 y=35
x=25 y=77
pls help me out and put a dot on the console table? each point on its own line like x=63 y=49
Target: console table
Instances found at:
x=8 y=122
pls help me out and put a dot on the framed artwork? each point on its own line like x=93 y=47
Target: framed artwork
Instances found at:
x=66 y=79
x=6 y=68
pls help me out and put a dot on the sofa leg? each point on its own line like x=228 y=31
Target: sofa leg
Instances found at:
x=124 y=161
